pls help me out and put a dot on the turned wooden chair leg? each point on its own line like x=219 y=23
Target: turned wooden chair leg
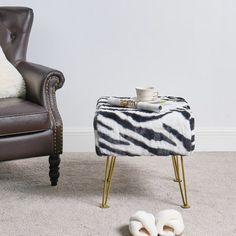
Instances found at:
x=110 y=165
x=183 y=189
x=54 y=162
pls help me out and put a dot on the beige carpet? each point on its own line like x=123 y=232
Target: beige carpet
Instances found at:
x=30 y=207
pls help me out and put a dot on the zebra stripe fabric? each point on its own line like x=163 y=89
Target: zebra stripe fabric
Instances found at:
x=123 y=131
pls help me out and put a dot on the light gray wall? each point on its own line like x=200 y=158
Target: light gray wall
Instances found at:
x=104 y=47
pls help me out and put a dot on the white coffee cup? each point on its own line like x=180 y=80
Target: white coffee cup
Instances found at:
x=146 y=93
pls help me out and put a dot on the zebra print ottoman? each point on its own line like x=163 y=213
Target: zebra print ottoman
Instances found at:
x=128 y=132
x=121 y=131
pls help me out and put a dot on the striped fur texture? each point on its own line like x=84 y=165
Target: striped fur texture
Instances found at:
x=128 y=132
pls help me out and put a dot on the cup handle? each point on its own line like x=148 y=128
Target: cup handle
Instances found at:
x=155 y=95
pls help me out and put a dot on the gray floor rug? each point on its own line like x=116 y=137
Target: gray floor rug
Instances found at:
x=30 y=207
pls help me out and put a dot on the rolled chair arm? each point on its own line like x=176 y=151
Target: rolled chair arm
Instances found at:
x=38 y=79
x=41 y=84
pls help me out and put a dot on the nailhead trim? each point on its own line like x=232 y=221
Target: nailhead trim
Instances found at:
x=52 y=107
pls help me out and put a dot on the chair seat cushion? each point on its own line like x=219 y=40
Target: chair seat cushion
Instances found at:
x=18 y=116
x=121 y=131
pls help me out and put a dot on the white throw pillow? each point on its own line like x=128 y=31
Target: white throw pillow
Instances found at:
x=11 y=82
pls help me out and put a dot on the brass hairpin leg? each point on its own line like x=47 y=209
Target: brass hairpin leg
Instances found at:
x=183 y=189
x=175 y=163
x=110 y=164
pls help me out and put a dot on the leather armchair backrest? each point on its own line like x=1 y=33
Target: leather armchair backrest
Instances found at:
x=15 y=26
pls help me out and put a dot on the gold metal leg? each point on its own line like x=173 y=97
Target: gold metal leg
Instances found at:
x=110 y=164
x=183 y=189
x=174 y=161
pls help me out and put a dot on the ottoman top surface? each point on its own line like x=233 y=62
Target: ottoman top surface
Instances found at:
x=122 y=131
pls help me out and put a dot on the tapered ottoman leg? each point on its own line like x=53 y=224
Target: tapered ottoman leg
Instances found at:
x=54 y=162
x=110 y=164
x=175 y=162
x=182 y=186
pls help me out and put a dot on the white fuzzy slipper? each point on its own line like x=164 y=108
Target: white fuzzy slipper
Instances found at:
x=169 y=223
x=142 y=224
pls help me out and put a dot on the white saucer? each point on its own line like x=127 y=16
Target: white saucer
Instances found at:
x=156 y=100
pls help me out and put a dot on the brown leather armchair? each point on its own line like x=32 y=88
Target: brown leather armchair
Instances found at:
x=29 y=127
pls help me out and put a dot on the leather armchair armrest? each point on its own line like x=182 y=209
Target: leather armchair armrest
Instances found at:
x=40 y=81
x=41 y=84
